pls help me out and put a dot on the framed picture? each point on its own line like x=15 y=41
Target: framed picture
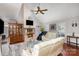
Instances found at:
x=52 y=27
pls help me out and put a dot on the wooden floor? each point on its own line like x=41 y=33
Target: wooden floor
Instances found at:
x=69 y=50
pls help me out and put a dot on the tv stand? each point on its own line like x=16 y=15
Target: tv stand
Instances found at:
x=30 y=32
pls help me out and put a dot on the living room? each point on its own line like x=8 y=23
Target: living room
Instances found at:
x=39 y=29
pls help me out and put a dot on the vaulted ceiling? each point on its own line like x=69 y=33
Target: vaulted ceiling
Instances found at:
x=10 y=10
x=56 y=11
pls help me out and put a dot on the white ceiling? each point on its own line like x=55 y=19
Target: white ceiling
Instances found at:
x=9 y=10
x=56 y=11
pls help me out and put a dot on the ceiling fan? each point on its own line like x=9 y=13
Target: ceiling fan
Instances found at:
x=39 y=10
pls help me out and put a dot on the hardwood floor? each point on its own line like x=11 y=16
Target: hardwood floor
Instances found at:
x=69 y=50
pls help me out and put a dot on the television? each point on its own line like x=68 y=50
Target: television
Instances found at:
x=1 y=26
x=29 y=22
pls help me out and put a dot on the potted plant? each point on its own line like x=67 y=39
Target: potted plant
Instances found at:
x=42 y=29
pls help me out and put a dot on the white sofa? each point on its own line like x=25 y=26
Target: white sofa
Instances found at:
x=52 y=47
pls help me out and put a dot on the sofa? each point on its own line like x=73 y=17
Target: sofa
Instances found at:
x=52 y=47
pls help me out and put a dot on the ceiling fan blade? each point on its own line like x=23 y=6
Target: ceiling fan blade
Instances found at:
x=45 y=10
x=37 y=12
x=41 y=12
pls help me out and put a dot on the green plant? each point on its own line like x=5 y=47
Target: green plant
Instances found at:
x=42 y=29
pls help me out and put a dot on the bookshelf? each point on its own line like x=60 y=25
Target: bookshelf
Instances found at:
x=30 y=32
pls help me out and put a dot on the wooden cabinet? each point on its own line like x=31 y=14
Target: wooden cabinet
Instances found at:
x=16 y=33
x=69 y=40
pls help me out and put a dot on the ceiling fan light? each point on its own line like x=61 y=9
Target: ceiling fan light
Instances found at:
x=39 y=10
